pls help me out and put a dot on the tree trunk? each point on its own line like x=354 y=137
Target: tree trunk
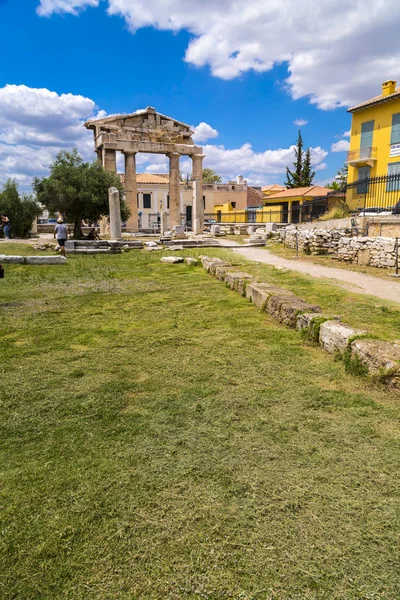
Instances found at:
x=78 y=228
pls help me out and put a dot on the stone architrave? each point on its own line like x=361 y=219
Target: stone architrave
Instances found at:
x=115 y=214
x=174 y=191
x=198 y=204
x=131 y=191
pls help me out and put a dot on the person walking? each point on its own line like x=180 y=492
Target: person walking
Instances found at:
x=60 y=233
x=6 y=224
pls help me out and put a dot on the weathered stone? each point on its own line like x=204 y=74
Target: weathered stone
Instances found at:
x=151 y=244
x=336 y=337
x=308 y=321
x=259 y=293
x=275 y=301
x=381 y=358
x=292 y=307
x=208 y=265
x=46 y=260
x=10 y=259
x=191 y=261
x=220 y=272
x=215 y=265
x=238 y=280
x=171 y=259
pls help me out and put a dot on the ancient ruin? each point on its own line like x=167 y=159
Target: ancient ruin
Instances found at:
x=151 y=132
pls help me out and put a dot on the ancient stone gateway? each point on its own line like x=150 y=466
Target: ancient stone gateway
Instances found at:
x=151 y=132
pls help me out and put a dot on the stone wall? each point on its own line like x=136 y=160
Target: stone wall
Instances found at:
x=373 y=251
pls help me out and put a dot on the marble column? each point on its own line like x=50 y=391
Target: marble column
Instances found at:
x=115 y=213
x=174 y=190
x=198 y=204
x=110 y=160
x=131 y=191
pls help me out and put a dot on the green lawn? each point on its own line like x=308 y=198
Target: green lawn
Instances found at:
x=163 y=439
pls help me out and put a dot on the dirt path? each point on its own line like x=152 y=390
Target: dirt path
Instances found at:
x=350 y=280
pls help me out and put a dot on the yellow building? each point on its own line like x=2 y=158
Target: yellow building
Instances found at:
x=294 y=204
x=375 y=151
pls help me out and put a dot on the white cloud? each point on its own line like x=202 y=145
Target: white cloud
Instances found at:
x=347 y=133
x=337 y=53
x=204 y=132
x=48 y=7
x=300 y=122
x=261 y=165
x=35 y=124
x=340 y=146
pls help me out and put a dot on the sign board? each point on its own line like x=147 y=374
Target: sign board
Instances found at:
x=394 y=150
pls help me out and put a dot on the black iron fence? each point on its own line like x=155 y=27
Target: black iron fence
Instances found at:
x=375 y=194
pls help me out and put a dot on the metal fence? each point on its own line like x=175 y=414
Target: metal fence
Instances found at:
x=375 y=194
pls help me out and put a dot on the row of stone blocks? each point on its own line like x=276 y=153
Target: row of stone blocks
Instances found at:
x=380 y=359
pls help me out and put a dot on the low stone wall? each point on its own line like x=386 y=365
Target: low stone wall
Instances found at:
x=373 y=251
x=8 y=259
x=379 y=359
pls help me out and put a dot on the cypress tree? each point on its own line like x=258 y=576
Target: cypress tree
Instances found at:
x=294 y=178
x=307 y=173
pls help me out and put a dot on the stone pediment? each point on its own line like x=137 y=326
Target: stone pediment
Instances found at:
x=144 y=125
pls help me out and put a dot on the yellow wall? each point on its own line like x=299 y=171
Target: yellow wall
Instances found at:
x=271 y=214
x=381 y=114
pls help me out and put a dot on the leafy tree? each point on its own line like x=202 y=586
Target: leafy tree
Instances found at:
x=21 y=210
x=308 y=173
x=303 y=175
x=210 y=176
x=78 y=190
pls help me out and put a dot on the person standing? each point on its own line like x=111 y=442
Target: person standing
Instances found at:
x=6 y=223
x=60 y=233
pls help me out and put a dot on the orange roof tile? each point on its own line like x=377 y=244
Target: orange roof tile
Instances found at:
x=376 y=100
x=310 y=192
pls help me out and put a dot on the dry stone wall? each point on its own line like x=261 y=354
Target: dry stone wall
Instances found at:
x=374 y=251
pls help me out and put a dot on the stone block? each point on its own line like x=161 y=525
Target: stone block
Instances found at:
x=208 y=265
x=336 y=337
x=215 y=265
x=259 y=293
x=171 y=259
x=275 y=301
x=381 y=358
x=308 y=322
x=238 y=280
x=292 y=307
x=191 y=261
x=220 y=272
x=12 y=260
x=45 y=260
x=364 y=257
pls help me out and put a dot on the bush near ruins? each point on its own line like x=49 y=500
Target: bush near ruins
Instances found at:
x=20 y=209
x=77 y=189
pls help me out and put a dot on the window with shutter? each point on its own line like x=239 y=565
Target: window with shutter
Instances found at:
x=395 y=135
x=367 y=132
x=393 y=184
x=363 y=176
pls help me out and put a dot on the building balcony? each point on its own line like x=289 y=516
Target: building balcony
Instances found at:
x=362 y=157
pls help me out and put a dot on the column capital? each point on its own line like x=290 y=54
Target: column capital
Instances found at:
x=198 y=156
x=173 y=154
x=127 y=152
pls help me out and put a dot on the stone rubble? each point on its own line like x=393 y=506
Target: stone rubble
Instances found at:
x=377 y=252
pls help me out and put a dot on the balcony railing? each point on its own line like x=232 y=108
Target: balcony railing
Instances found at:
x=362 y=155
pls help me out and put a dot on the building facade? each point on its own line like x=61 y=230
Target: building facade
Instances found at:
x=374 y=155
x=153 y=197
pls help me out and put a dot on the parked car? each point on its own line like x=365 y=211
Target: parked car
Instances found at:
x=51 y=221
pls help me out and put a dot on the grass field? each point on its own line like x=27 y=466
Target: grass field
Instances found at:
x=162 y=439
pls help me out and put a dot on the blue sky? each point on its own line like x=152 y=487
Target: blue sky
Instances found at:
x=247 y=72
